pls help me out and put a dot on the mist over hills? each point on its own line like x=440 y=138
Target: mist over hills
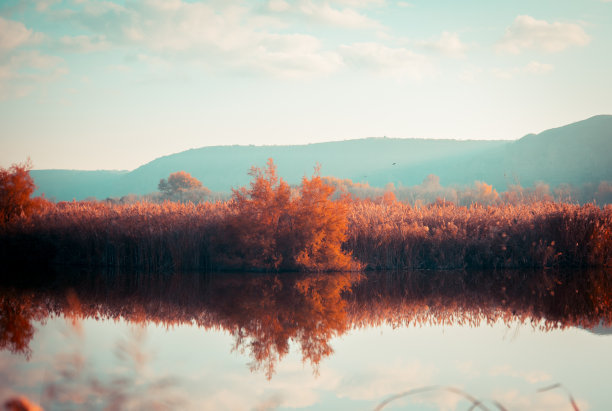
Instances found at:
x=577 y=153
x=64 y=185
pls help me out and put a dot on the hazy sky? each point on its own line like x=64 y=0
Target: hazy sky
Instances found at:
x=114 y=84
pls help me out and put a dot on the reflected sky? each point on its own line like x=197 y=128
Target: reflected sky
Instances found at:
x=334 y=341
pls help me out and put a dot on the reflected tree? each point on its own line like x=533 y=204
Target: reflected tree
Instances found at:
x=16 y=330
x=267 y=313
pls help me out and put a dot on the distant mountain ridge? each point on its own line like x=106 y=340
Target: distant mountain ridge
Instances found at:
x=575 y=154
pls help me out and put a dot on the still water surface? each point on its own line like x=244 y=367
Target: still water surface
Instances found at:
x=411 y=340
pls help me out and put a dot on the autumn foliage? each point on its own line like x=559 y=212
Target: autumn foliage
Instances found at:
x=181 y=186
x=271 y=226
x=16 y=189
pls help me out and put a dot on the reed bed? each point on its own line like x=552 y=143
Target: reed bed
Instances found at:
x=317 y=226
x=379 y=235
x=394 y=235
x=150 y=236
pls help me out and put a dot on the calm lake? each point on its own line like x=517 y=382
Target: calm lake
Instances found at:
x=422 y=340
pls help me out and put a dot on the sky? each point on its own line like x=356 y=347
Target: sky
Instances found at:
x=90 y=84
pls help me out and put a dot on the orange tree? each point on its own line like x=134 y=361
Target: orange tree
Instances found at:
x=273 y=228
x=181 y=186
x=16 y=189
x=321 y=225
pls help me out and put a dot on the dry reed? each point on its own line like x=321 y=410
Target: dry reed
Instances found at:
x=378 y=235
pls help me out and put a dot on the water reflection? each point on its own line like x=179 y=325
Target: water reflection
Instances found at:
x=547 y=299
x=264 y=313
x=17 y=312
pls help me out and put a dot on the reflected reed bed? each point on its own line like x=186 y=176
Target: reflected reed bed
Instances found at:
x=264 y=313
x=547 y=299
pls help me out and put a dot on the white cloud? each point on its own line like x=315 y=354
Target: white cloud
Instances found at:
x=22 y=73
x=231 y=36
x=532 y=376
x=99 y=8
x=360 y=3
x=34 y=60
x=217 y=35
x=120 y=68
x=291 y=387
x=379 y=58
x=14 y=34
x=152 y=61
x=84 y=44
x=467 y=368
x=533 y=67
x=278 y=5
x=553 y=400
x=470 y=74
x=448 y=44
x=346 y=17
x=43 y=5
x=442 y=399
x=380 y=382
x=528 y=33
x=293 y=56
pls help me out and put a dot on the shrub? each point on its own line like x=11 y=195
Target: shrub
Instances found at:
x=16 y=189
x=272 y=228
